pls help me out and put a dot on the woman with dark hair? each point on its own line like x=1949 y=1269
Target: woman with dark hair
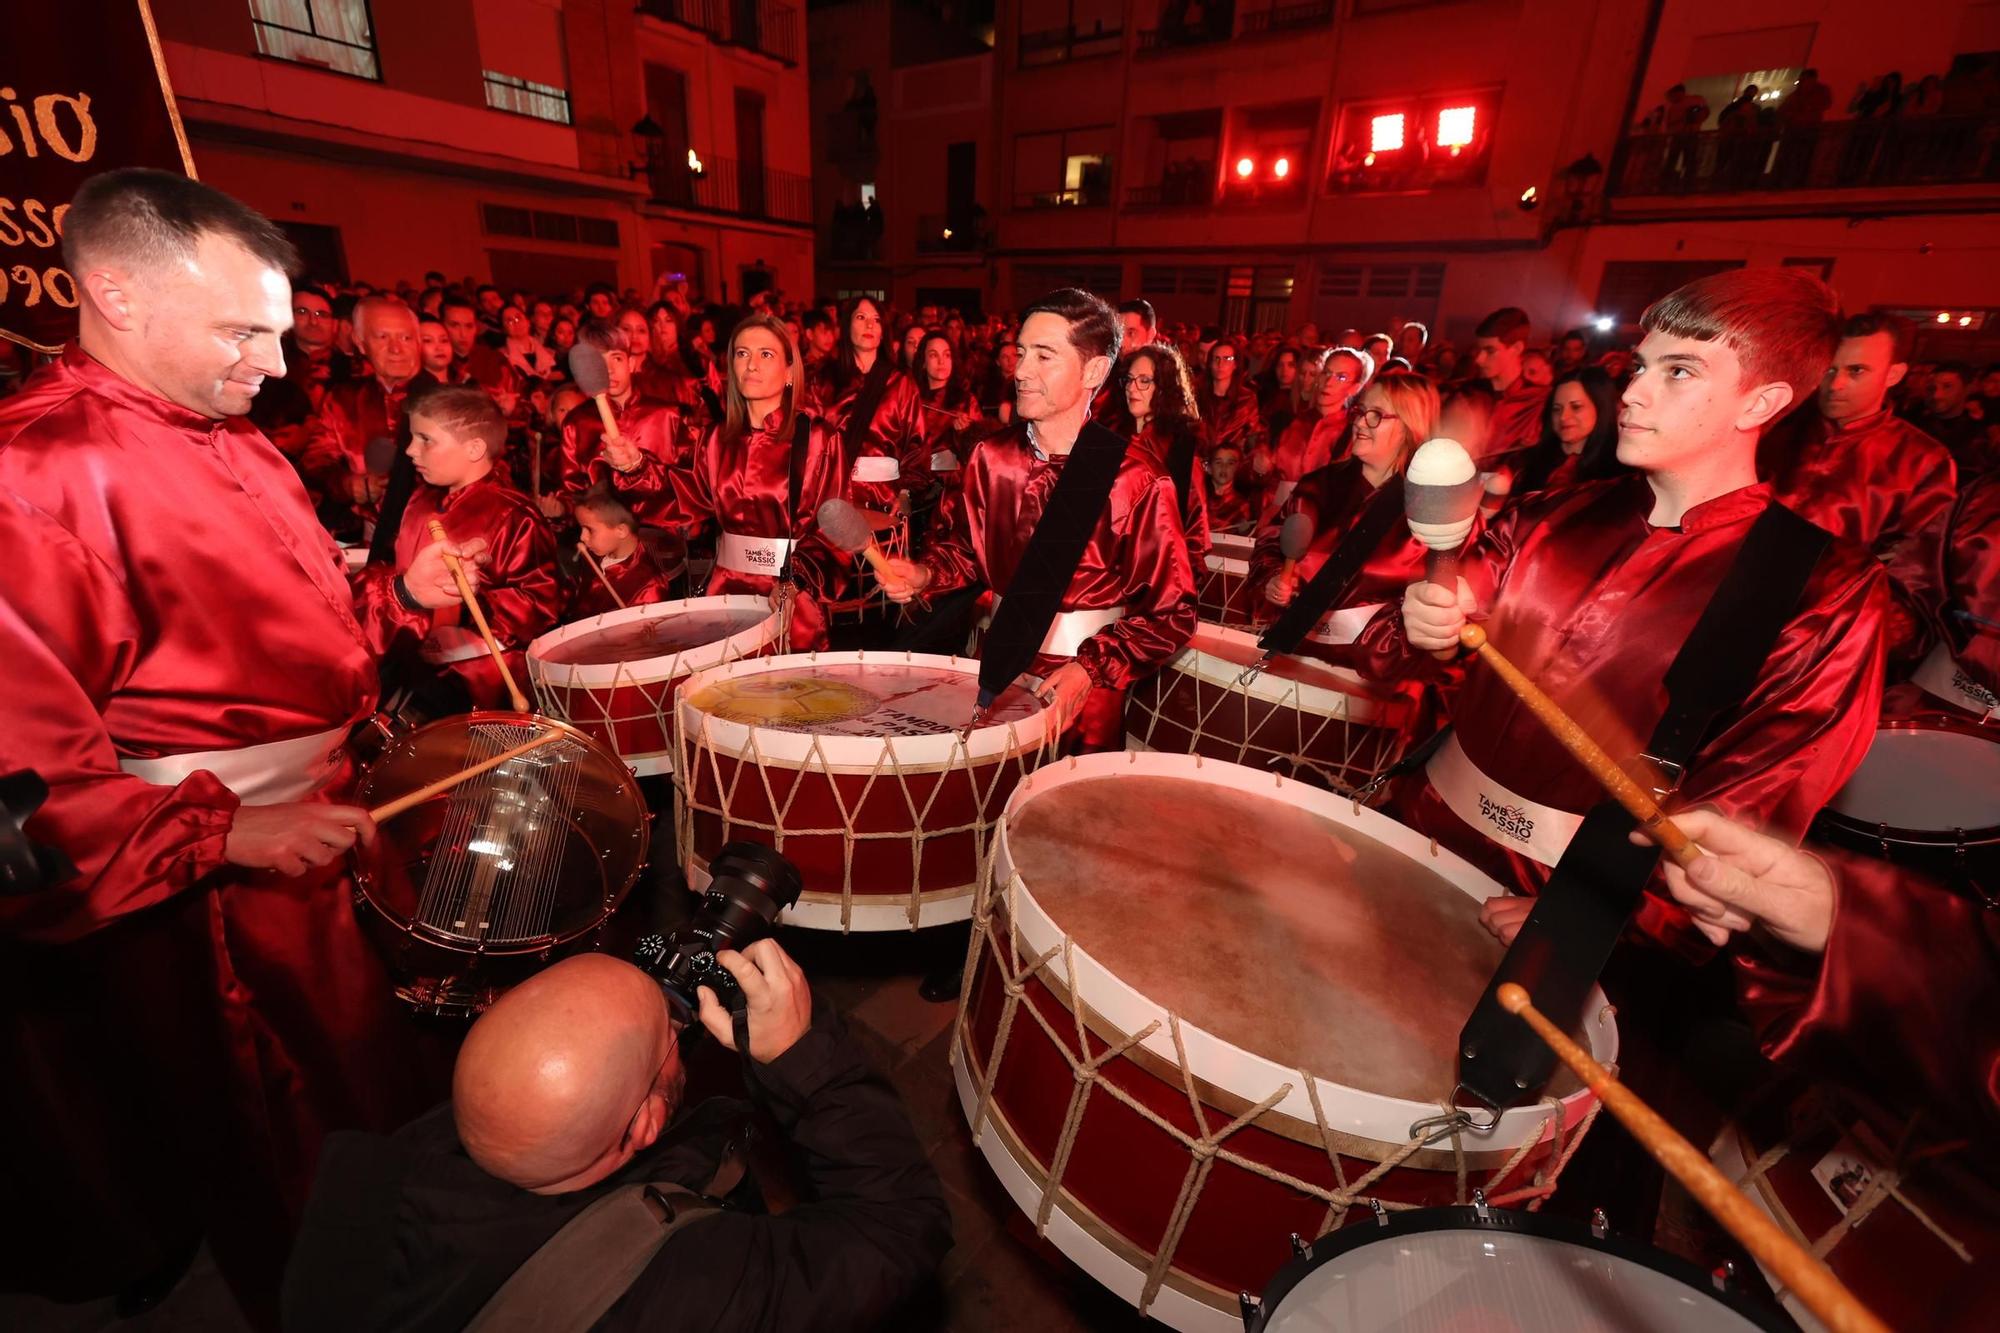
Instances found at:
x=1157 y=411
x=1579 y=435
x=948 y=417
x=872 y=407
x=909 y=348
x=741 y=482
x=664 y=375
x=1318 y=434
x=698 y=350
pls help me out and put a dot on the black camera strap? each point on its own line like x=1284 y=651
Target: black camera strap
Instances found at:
x=1601 y=877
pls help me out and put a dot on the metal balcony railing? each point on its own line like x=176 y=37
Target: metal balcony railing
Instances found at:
x=1193 y=188
x=1835 y=155
x=724 y=186
x=939 y=234
x=1288 y=18
x=1089 y=196
x=767 y=27
x=1053 y=46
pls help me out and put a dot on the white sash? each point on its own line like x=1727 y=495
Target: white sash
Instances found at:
x=876 y=468
x=1344 y=625
x=752 y=555
x=1070 y=628
x=944 y=460
x=1942 y=677
x=1514 y=822
x=273 y=773
x=451 y=643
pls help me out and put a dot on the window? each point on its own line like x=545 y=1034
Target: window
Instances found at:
x=1053 y=31
x=1414 y=143
x=571 y=228
x=1376 y=296
x=504 y=92
x=335 y=35
x=1385 y=132
x=1268 y=147
x=1064 y=169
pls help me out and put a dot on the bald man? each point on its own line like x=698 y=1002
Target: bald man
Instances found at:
x=570 y=1087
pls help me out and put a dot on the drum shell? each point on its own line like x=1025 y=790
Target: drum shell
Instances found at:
x=1965 y=860
x=1222 y=589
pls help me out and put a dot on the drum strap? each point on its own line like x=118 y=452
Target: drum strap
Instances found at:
x=795 y=485
x=1180 y=469
x=1042 y=578
x=1382 y=513
x=873 y=386
x=1598 y=883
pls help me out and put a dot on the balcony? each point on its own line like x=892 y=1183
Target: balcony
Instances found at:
x=1188 y=186
x=938 y=234
x=1287 y=193
x=1220 y=23
x=1097 y=195
x=1054 y=46
x=766 y=27
x=1281 y=19
x=724 y=186
x=1902 y=152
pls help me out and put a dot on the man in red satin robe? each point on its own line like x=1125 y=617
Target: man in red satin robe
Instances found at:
x=185 y=1018
x=1591 y=592
x=1497 y=347
x=1961 y=674
x=651 y=442
x=353 y=412
x=1131 y=603
x=1865 y=474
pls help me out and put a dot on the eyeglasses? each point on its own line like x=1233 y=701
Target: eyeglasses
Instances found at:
x=1140 y=381
x=1375 y=416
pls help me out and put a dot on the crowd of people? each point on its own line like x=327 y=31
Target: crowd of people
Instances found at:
x=190 y=657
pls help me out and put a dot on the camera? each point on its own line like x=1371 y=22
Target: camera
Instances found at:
x=26 y=866
x=748 y=886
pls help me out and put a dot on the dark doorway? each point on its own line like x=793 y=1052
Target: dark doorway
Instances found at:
x=961 y=185
x=323 y=257
x=750 y=152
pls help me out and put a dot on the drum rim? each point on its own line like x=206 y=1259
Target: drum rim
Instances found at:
x=364 y=885
x=1877 y=830
x=1211 y=1059
x=1226 y=564
x=849 y=754
x=1541 y=1226
x=1362 y=704
x=1234 y=541
x=682 y=662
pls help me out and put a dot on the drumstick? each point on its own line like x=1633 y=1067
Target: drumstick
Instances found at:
x=390 y=809
x=535 y=466
x=1638 y=802
x=584 y=550
x=479 y=618
x=1833 y=1304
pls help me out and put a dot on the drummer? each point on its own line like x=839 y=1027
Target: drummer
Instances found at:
x=1592 y=590
x=1962 y=674
x=1130 y=604
x=458 y=439
x=651 y=441
x=874 y=408
x=1395 y=414
x=1157 y=410
x=759 y=478
x=612 y=536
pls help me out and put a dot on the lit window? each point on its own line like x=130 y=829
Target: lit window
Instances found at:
x=1455 y=126
x=327 y=34
x=1385 y=133
x=525 y=97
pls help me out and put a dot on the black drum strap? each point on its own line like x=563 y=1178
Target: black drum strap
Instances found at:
x=795 y=485
x=1381 y=514
x=1601 y=877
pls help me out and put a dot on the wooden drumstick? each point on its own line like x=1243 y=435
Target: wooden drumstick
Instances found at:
x=583 y=549
x=479 y=618
x=1833 y=1304
x=390 y=809
x=1638 y=802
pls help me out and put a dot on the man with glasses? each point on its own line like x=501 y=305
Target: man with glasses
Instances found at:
x=572 y=1087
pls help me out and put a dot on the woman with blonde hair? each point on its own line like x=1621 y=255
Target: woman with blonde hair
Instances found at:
x=759 y=478
x=1393 y=415
x=1314 y=437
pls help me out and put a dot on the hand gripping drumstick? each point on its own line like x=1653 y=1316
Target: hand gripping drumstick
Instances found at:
x=1638 y=802
x=584 y=550
x=1441 y=496
x=587 y=368
x=390 y=809
x=479 y=618
x=1806 y=1277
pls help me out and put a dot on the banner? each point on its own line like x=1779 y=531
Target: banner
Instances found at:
x=83 y=89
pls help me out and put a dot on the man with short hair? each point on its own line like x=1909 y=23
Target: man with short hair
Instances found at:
x=190 y=1012
x=1592 y=590
x=1945 y=416
x=1497 y=346
x=1140 y=324
x=573 y=1086
x=1867 y=476
x=475 y=360
x=821 y=333
x=1572 y=350
x=488 y=301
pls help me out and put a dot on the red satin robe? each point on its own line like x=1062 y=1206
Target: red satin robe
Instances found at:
x=519 y=588
x=657 y=428
x=892 y=430
x=1882 y=484
x=1972 y=581
x=1136 y=560
x=1333 y=498
x=638 y=580
x=1194 y=499
x=741 y=486
x=1592 y=602
x=352 y=413
x=178 y=1033
x=674 y=384
x=1517 y=418
x=1228 y=510
x=1233 y=418
x=939 y=433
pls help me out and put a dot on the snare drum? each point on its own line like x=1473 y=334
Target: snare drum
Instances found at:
x=1298 y=717
x=1222 y=586
x=613 y=676
x=1451 y=1270
x=1926 y=796
x=852 y=766
x=1893 y=1211
x=1254 y=952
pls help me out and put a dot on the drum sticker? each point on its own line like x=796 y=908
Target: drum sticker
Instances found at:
x=1844 y=1173
x=1972 y=689
x=1510 y=820
x=797 y=702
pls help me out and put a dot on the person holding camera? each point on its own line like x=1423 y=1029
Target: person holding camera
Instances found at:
x=562 y=1188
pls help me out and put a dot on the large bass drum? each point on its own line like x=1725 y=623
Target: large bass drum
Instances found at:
x=476 y=888
x=1927 y=796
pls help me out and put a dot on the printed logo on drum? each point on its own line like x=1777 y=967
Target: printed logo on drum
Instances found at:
x=1510 y=820
x=1971 y=688
x=761 y=556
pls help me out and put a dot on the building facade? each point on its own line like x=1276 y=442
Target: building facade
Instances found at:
x=1356 y=162
x=541 y=144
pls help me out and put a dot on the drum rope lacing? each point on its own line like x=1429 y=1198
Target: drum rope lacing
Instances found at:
x=1207 y=1146
x=554 y=696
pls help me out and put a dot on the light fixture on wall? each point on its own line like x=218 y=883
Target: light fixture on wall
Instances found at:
x=694 y=162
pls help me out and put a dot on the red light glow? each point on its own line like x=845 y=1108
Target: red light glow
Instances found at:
x=1455 y=125
x=1244 y=166
x=1282 y=168
x=1385 y=133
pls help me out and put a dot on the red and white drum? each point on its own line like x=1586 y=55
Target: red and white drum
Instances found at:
x=1207 y=1008
x=852 y=765
x=1894 y=1209
x=1222 y=585
x=1927 y=796
x=1298 y=717
x=613 y=676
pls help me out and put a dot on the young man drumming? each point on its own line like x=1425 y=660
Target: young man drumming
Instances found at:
x=1593 y=590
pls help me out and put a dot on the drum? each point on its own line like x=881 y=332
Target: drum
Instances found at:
x=478 y=887
x=1926 y=796
x=1207 y=1007
x=1892 y=1208
x=355 y=558
x=852 y=765
x=1222 y=585
x=1298 y=717
x=613 y=676
x=1450 y=1270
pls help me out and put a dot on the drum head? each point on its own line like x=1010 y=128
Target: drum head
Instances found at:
x=1446 y=1271
x=886 y=697
x=641 y=639
x=1277 y=929
x=1929 y=778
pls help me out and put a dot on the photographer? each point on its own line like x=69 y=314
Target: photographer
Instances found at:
x=569 y=1088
